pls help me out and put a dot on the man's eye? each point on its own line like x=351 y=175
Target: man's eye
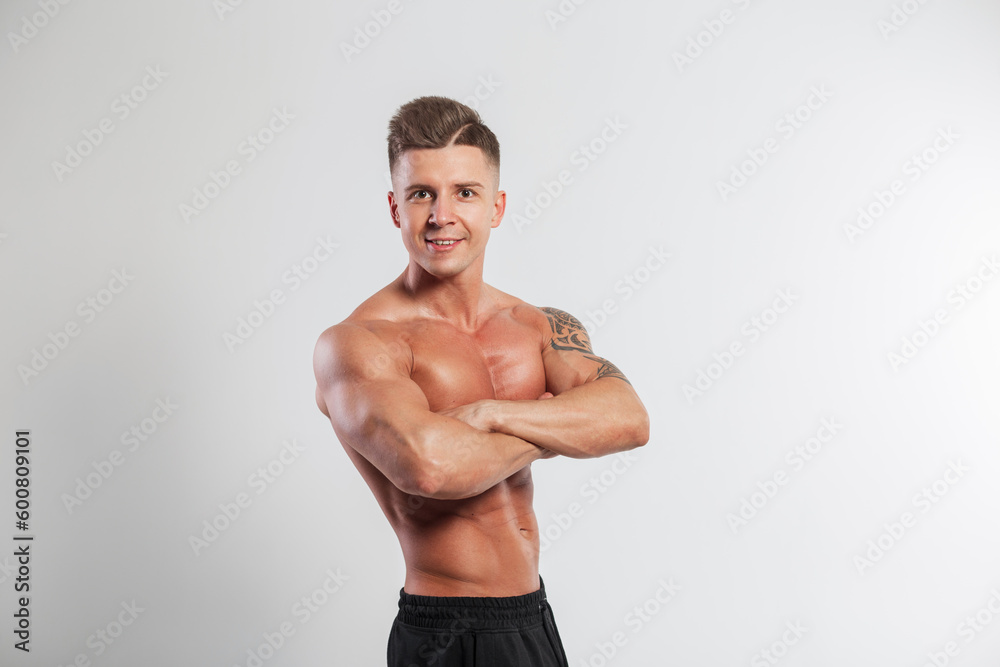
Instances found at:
x=467 y=193
x=419 y=194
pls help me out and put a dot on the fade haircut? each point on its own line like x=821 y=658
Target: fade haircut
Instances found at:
x=437 y=122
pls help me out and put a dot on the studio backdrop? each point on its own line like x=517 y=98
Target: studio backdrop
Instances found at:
x=780 y=219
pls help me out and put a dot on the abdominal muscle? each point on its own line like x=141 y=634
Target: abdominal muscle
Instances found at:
x=483 y=546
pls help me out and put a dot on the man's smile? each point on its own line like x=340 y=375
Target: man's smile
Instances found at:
x=442 y=245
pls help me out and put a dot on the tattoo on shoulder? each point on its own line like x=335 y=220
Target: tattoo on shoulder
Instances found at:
x=568 y=334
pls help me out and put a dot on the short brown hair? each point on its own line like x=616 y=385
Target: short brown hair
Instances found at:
x=436 y=122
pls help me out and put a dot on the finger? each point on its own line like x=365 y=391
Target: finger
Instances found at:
x=547 y=394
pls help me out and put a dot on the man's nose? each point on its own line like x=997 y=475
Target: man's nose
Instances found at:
x=442 y=212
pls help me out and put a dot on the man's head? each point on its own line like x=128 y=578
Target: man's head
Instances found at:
x=445 y=167
x=436 y=122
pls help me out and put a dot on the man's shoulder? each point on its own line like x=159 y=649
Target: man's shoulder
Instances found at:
x=546 y=317
x=379 y=311
x=558 y=328
x=369 y=329
x=549 y=320
x=384 y=305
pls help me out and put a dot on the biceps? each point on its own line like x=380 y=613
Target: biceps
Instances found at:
x=569 y=358
x=565 y=370
x=379 y=419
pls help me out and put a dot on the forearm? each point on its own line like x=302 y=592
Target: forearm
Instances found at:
x=461 y=461
x=593 y=419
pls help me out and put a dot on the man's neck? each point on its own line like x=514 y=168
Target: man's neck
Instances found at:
x=458 y=299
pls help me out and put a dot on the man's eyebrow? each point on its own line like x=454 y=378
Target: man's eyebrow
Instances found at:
x=457 y=186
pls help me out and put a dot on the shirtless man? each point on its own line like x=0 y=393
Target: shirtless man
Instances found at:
x=443 y=390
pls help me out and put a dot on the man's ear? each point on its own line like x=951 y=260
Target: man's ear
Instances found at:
x=393 y=208
x=499 y=206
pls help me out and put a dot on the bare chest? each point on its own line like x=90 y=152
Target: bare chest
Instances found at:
x=502 y=360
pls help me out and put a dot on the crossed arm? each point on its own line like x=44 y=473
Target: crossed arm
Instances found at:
x=377 y=410
x=594 y=410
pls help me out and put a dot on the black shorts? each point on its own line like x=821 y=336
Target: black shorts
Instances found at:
x=517 y=631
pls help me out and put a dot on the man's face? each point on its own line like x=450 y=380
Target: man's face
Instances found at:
x=445 y=202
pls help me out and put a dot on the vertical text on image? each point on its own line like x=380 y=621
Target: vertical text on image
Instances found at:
x=22 y=543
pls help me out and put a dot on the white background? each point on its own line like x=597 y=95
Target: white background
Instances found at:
x=893 y=77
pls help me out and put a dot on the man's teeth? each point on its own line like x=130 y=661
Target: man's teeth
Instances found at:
x=442 y=242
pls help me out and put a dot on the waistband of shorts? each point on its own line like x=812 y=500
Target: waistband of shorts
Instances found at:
x=473 y=613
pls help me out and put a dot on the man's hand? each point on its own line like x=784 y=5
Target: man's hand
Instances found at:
x=481 y=415
x=476 y=414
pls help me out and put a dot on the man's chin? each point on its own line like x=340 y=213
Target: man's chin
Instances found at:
x=442 y=270
x=442 y=273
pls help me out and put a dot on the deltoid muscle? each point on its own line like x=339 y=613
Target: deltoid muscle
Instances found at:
x=569 y=335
